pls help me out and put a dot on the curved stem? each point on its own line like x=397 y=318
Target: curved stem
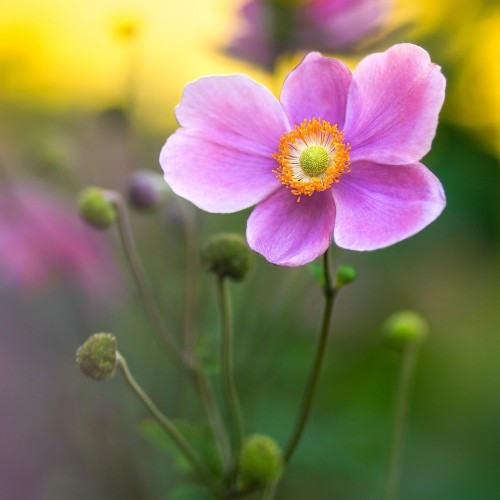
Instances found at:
x=330 y=294
x=198 y=467
x=227 y=363
x=202 y=381
x=406 y=375
x=186 y=360
x=141 y=281
x=270 y=491
x=214 y=418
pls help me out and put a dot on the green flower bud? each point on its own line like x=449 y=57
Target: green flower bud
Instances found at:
x=404 y=327
x=345 y=275
x=97 y=356
x=228 y=255
x=261 y=460
x=96 y=208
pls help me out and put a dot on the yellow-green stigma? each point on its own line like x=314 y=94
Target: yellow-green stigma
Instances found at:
x=314 y=161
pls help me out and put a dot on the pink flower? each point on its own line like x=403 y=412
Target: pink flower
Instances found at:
x=276 y=27
x=347 y=145
x=42 y=237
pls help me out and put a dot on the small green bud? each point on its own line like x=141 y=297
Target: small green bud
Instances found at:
x=96 y=208
x=97 y=356
x=228 y=255
x=345 y=275
x=261 y=460
x=404 y=327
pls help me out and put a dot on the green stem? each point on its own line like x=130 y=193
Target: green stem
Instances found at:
x=270 y=491
x=198 y=467
x=406 y=376
x=227 y=363
x=330 y=294
x=185 y=360
x=208 y=399
x=192 y=258
x=141 y=281
x=202 y=381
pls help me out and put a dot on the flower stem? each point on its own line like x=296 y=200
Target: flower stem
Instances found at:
x=141 y=281
x=198 y=467
x=270 y=491
x=330 y=293
x=226 y=357
x=184 y=359
x=203 y=385
x=406 y=376
x=190 y=293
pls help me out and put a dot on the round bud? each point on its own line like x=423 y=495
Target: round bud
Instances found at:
x=345 y=275
x=96 y=208
x=146 y=190
x=97 y=356
x=261 y=460
x=404 y=327
x=228 y=255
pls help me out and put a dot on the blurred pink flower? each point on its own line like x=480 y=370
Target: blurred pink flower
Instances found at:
x=276 y=27
x=42 y=237
x=346 y=145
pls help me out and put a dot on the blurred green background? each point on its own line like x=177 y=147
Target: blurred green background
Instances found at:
x=87 y=92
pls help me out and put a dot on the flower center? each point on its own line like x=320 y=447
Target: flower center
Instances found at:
x=311 y=157
x=314 y=161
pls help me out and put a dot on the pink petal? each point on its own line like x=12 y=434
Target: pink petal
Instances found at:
x=378 y=205
x=316 y=88
x=216 y=177
x=233 y=111
x=393 y=106
x=289 y=233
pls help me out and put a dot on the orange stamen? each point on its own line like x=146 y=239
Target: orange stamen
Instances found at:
x=313 y=132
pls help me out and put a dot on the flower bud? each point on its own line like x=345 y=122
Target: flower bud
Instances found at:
x=404 y=327
x=345 y=275
x=261 y=460
x=96 y=208
x=146 y=190
x=97 y=356
x=228 y=255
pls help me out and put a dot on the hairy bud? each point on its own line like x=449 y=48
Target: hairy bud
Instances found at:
x=95 y=208
x=261 y=460
x=228 y=255
x=97 y=356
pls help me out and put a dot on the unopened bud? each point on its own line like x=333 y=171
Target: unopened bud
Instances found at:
x=404 y=327
x=261 y=460
x=97 y=356
x=345 y=275
x=228 y=255
x=146 y=190
x=96 y=208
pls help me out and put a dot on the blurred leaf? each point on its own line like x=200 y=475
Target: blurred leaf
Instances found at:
x=317 y=272
x=199 y=436
x=188 y=492
x=206 y=353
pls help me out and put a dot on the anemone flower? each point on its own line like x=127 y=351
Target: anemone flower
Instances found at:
x=337 y=157
x=272 y=28
x=41 y=237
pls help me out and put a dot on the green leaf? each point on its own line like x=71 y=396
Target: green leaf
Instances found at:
x=188 y=492
x=199 y=436
x=317 y=272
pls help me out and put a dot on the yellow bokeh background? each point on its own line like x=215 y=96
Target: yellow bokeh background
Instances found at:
x=69 y=54
x=61 y=54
